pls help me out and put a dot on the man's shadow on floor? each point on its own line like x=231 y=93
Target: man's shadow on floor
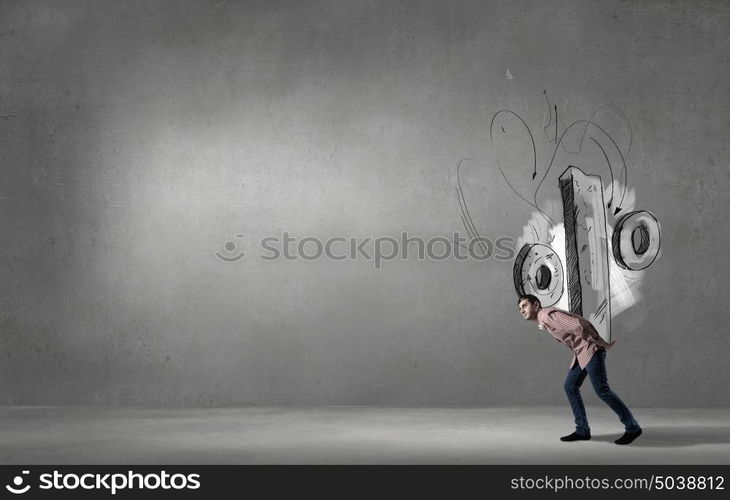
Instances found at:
x=671 y=437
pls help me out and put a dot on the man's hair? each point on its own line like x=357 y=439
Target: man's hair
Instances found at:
x=530 y=297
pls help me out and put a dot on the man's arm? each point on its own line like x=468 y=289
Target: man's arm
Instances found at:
x=561 y=322
x=566 y=326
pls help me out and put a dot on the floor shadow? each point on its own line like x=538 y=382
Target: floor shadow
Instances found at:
x=671 y=437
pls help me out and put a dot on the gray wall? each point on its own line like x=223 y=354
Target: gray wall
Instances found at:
x=137 y=138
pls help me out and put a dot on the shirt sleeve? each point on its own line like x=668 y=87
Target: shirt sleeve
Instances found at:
x=569 y=329
x=560 y=321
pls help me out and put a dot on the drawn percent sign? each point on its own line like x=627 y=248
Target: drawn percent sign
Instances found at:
x=634 y=246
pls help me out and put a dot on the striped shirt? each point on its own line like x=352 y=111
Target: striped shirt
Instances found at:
x=574 y=331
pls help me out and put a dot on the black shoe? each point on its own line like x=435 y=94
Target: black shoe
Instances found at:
x=576 y=437
x=628 y=437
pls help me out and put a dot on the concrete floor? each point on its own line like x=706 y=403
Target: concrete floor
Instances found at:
x=353 y=435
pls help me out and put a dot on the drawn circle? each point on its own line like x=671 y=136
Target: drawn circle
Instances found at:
x=18 y=480
x=636 y=240
x=230 y=246
x=539 y=271
x=640 y=239
x=542 y=277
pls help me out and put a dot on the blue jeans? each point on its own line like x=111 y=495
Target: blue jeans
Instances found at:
x=596 y=369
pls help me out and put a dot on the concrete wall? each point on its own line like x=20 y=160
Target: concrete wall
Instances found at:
x=138 y=138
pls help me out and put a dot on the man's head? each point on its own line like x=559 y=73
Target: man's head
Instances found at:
x=529 y=305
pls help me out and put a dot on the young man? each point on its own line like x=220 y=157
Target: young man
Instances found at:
x=589 y=358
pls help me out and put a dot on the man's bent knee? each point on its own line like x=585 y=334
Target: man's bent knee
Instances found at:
x=571 y=388
x=603 y=391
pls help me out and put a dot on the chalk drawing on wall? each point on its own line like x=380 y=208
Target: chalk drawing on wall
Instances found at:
x=586 y=246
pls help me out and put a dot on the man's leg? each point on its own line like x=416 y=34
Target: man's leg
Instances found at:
x=597 y=371
x=574 y=379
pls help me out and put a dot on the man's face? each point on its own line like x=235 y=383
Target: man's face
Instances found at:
x=528 y=310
